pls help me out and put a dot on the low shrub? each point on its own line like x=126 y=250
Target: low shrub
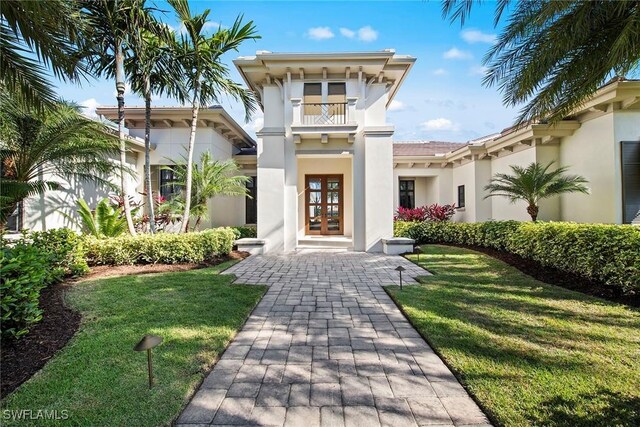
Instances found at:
x=609 y=254
x=65 y=249
x=245 y=231
x=166 y=248
x=434 y=212
x=23 y=274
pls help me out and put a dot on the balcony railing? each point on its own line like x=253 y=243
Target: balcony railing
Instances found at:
x=324 y=113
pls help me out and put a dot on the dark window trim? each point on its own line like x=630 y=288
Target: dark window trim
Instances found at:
x=623 y=172
x=461 y=197
x=410 y=193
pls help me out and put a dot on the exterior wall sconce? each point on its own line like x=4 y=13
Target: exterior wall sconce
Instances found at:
x=147 y=343
x=400 y=269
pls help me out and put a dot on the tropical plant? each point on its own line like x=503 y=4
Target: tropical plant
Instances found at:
x=34 y=36
x=211 y=178
x=151 y=70
x=439 y=213
x=104 y=221
x=205 y=76
x=555 y=54
x=111 y=25
x=410 y=214
x=533 y=183
x=36 y=148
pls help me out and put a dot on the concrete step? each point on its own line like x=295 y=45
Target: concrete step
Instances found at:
x=325 y=242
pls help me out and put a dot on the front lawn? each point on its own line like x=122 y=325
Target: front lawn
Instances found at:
x=98 y=378
x=531 y=353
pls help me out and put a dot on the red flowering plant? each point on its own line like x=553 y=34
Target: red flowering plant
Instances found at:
x=434 y=213
x=408 y=214
x=439 y=213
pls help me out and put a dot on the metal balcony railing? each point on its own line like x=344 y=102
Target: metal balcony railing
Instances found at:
x=324 y=113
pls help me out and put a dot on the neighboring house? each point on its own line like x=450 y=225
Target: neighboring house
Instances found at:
x=326 y=171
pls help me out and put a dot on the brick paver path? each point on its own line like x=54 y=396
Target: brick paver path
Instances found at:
x=326 y=346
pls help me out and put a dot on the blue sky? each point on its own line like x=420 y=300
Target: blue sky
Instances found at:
x=442 y=98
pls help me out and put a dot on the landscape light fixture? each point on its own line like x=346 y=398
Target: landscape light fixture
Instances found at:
x=417 y=250
x=147 y=343
x=400 y=269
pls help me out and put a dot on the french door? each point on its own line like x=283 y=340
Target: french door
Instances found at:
x=323 y=204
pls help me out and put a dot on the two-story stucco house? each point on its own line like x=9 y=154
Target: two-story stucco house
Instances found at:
x=326 y=170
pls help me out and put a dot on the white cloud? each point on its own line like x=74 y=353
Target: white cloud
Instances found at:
x=455 y=53
x=478 y=70
x=441 y=124
x=89 y=107
x=320 y=33
x=440 y=72
x=367 y=34
x=396 y=106
x=347 y=33
x=477 y=36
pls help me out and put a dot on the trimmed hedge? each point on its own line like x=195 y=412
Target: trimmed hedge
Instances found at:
x=245 y=231
x=65 y=249
x=609 y=254
x=165 y=248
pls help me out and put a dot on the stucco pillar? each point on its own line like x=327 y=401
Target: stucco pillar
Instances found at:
x=378 y=185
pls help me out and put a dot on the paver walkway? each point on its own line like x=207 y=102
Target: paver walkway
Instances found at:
x=327 y=346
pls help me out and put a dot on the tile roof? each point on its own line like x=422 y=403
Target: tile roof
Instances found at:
x=425 y=148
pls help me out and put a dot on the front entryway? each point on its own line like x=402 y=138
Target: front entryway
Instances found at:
x=324 y=204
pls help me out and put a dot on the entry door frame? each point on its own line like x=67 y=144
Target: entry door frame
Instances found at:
x=324 y=226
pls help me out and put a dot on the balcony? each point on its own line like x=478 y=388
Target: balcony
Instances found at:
x=324 y=113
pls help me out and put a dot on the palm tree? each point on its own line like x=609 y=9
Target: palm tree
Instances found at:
x=35 y=35
x=533 y=183
x=211 y=178
x=555 y=54
x=104 y=221
x=151 y=70
x=36 y=147
x=206 y=77
x=110 y=25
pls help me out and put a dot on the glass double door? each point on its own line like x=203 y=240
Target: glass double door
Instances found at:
x=323 y=204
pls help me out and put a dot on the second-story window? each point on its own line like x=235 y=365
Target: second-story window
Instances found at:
x=312 y=99
x=337 y=103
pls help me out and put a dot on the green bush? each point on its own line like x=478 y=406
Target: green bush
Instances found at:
x=165 y=248
x=23 y=274
x=609 y=254
x=245 y=231
x=66 y=252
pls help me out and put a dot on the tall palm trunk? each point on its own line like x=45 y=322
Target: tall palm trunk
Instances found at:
x=123 y=148
x=195 y=107
x=147 y=156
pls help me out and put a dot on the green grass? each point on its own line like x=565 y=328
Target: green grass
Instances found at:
x=101 y=381
x=531 y=353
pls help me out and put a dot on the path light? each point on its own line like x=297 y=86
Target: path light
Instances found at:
x=147 y=343
x=400 y=269
x=417 y=250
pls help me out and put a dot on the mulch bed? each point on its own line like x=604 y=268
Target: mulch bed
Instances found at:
x=557 y=277
x=22 y=358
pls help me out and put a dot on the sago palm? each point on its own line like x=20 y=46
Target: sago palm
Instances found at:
x=38 y=147
x=210 y=178
x=205 y=76
x=533 y=183
x=555 y=54
x=104 y=221
x=36 y=38
x=110 y=25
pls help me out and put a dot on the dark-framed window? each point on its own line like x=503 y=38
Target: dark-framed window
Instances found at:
x=251 y=201
x=630 y=159
x=460 y=196
x=168 y=187
x=407 y=193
